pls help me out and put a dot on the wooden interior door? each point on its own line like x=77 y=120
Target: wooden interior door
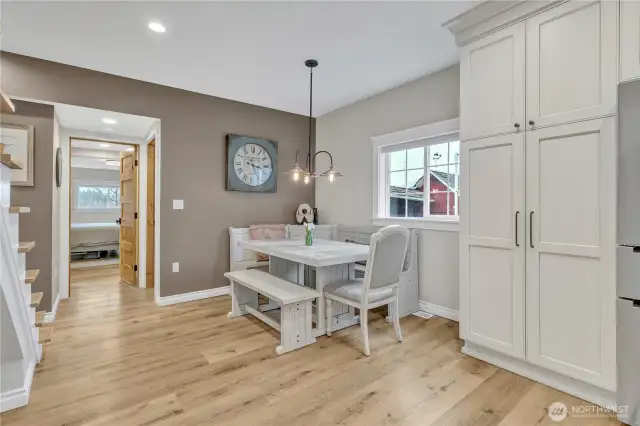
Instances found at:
x=151 y=211
x=128 y=216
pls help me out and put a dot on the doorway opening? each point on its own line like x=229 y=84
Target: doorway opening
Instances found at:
x=111 y=189
x=97 y=205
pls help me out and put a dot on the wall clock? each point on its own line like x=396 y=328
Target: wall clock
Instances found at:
x=252 y=164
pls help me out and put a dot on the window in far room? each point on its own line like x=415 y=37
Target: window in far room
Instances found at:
x=98 y=197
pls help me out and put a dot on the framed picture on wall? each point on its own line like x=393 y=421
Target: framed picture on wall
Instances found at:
x=252 y=164
x=18 y=142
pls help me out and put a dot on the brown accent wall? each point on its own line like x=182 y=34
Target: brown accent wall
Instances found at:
x=36 y=225
x=193 y=129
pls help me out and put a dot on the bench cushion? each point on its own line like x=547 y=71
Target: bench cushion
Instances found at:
x=281 y=291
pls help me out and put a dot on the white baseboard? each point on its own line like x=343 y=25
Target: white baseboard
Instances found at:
x=18 y=397
x=50 y=317
x=591 y=393
x=190 y=297
x=441 y=311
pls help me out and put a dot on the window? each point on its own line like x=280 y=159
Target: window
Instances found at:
x=94 y=197
x=407 y=186
x=418 y=174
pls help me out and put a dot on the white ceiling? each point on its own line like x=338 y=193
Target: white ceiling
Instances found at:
x=252 y=52
x=75 y=117
x=94 y=155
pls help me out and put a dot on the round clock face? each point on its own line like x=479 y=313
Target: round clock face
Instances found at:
x=252 y=164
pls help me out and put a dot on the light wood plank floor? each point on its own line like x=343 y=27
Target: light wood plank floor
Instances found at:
x=118 y=359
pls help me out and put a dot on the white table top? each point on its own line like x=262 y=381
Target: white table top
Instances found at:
x=322 y=253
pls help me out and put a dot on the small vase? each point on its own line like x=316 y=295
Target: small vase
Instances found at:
x=308 y=241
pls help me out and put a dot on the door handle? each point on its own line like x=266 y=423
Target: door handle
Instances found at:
x=119 y=221
x=531 y=229
x=517 y=243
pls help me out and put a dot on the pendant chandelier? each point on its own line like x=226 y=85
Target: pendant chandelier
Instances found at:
x=308 y=173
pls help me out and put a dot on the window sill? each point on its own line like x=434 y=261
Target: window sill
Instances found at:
x=84 y=210
x=448 y=225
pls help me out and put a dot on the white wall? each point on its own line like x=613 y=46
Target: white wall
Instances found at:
x=93 y=175
x=55 y=220
x=347 y=132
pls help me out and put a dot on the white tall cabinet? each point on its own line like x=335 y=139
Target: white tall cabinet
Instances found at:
x=538 y=197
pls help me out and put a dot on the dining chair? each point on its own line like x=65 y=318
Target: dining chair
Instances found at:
x=379 y=287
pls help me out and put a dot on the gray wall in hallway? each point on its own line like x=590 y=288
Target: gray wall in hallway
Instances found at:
x=193 y=147
x=37 y=225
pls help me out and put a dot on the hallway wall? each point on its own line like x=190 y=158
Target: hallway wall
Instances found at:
x=37 y=225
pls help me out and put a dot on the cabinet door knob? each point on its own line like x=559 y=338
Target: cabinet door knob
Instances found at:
x=531 y=122
x=517 y=125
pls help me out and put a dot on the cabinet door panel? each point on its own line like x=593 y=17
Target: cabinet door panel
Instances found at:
x=492 y=84
x=571 y=63
x=492 y=243
x=629 y=40
x=570 y=270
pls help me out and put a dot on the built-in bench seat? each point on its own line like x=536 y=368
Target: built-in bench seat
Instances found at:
x=294 y=317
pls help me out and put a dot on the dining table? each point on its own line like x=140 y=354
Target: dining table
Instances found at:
x=323 y=263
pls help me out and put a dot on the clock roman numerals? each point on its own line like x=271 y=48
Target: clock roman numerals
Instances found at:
x=252 y=164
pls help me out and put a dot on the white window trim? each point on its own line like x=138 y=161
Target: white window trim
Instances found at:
x=380 y=169
x=79 y=182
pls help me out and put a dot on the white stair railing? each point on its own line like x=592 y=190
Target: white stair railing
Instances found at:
x=19 y=308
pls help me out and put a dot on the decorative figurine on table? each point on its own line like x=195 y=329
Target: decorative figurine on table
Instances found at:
x=305 y=214
x=308 y=231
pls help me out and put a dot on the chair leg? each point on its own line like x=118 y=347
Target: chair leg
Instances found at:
x=395 y=313
x=329 y=311
x=364 y=326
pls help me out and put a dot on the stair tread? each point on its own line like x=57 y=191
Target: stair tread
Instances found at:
x=26 y=247
x=36 y=298
x=14 y=210
x=31 y=276
x=45 y=335
x=6 y=160
x=40 y=318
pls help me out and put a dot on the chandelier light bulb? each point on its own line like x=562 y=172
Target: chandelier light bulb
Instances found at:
x=307 y=178
x=295 y=176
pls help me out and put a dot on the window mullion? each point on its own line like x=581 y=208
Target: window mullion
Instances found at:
x=427 y=184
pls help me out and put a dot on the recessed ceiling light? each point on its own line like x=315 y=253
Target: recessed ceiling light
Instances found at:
x=129 y=149
x=109 y=121
x=157 y=27
x=105 y=145
x=112 y=162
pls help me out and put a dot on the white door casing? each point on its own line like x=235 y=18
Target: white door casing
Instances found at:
x=492 y=84
x=571 y=63
x=492 y=243
x=570 y=265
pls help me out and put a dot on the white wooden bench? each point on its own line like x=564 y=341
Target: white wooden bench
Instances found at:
x=292 y=319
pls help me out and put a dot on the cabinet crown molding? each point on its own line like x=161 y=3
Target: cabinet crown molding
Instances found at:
x=492 y=15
